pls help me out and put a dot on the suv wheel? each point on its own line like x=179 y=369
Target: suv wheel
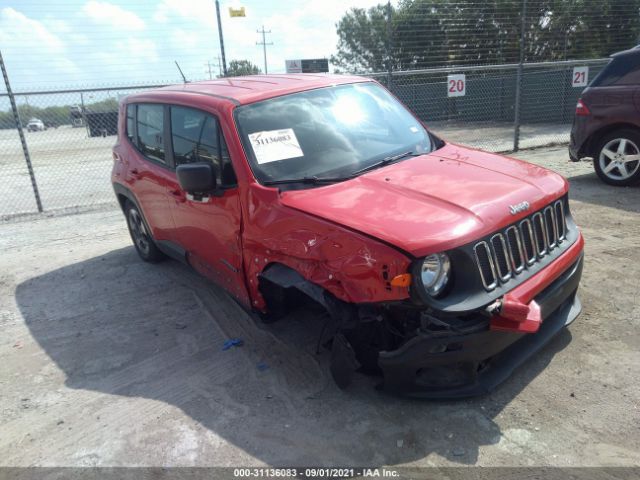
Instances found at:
x=140 y=235
x=618 y=158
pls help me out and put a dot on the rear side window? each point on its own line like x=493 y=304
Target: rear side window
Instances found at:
x=196 y=137
x=623 y=70
x=131 y=118
x=150 y=130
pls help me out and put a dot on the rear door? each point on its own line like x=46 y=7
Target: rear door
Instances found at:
x=208 y=229
x=150 y=174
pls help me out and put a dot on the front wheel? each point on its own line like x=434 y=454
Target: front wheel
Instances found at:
x=618 y=158
x=141 y=236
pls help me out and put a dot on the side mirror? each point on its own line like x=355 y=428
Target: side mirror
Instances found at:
x=196 y=177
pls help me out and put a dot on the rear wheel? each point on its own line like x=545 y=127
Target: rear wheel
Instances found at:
x=140 y=235
x=618 y=158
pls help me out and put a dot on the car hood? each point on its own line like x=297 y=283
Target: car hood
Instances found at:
x=433 y=202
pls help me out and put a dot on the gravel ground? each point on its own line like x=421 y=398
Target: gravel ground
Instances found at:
x=109 y=361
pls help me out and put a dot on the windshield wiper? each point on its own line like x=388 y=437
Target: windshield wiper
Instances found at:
x=320 y=180
x=386 y=161
x=310 y=180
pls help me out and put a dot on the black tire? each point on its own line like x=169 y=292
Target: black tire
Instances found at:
x=141 y=234
x=610 y=154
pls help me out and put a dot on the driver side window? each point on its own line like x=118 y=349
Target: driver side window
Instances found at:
x=196 y=137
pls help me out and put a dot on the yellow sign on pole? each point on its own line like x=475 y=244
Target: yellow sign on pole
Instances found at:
x=237 y=12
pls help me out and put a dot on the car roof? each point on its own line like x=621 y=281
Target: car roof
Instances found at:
x=631 y=51
x=249 y=89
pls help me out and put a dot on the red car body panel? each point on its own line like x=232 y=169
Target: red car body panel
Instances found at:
x=434 y=202
x=244 y=90
x=353 y=267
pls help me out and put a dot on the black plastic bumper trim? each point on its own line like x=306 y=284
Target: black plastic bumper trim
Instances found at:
x=454 y=373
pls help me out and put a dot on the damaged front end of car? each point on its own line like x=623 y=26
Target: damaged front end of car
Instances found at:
x=474 y=313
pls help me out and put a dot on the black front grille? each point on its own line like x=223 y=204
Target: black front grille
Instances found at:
x=508 y=253
x=485 y=264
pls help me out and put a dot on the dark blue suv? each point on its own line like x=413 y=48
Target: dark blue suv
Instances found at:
x=606 y=127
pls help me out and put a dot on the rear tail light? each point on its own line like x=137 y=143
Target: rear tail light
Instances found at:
x=581 y=109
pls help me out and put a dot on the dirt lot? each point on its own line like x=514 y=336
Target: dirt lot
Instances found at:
x=110 y=361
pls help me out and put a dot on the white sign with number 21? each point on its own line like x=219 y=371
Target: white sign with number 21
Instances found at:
x=580 y=77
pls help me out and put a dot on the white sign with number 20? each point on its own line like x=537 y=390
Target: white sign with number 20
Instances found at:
x=456 y=85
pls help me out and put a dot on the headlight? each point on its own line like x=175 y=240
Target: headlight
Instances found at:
x=434 y=273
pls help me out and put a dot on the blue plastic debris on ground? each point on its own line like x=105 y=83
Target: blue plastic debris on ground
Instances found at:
x=232 y=342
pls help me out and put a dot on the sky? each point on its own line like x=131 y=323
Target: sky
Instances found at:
x=95 y=43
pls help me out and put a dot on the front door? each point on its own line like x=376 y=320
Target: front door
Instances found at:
x=208 y=229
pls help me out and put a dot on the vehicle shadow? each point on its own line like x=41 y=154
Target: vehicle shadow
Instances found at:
x=589 y=188
x=116 y=325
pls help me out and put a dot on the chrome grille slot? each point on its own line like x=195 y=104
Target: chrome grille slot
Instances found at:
x=560 y=221
x=528 y=241
x=501 y=257
x=515 y=249
x=551 y=227
x=540 y=234
x=485 y=265
x=520 y=246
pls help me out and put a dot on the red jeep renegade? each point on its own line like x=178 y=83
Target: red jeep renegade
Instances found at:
x=442 y=268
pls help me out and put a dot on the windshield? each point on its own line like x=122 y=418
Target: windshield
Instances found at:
x=328 y=132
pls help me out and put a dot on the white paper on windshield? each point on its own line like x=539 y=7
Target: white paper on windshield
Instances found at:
x=274 y=145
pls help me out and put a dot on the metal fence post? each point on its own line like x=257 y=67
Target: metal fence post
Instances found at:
x=516 y=120
x=389 y=48
x=23 y=140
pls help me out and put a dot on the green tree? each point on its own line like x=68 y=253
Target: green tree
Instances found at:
x=237 y=68
x=362 y=40
x=428 y=33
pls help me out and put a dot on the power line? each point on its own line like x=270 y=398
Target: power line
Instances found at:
x=210 y=65
x=264 y=46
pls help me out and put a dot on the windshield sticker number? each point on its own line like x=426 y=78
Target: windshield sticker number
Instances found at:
x=274 y=145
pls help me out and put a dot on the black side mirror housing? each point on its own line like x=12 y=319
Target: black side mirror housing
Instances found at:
x=196 y=178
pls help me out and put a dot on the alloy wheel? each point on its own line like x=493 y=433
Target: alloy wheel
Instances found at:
x=619 y=159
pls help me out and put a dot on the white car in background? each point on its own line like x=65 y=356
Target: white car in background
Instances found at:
x=35 y=125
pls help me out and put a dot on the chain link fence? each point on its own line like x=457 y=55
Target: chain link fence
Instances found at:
x=496 y=75
x=69 y=133
x=481 y=110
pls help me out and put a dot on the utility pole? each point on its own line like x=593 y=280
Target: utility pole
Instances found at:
x=224 y=62
x=264 y=46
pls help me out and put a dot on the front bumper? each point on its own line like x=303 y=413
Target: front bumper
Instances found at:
x=474 y=364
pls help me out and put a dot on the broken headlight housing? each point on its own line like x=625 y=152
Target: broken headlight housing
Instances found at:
x=435 y=273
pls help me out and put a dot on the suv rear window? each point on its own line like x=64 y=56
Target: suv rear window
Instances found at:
x=623 y=70
x=150 y=131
